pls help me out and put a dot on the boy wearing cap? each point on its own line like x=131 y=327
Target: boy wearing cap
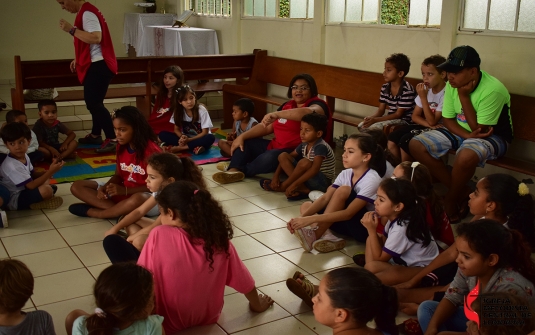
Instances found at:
x=476 y=117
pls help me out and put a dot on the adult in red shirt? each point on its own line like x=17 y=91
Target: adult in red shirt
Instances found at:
x=95 y=64
x=252 y=154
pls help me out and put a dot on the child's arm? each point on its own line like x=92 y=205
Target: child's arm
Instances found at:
x=178 y=131
x=70 y=137
x=133 y=216
x=52 y=150
x=444 y=311
x=369 y=120
x=258 y=302
x=275 y=182
x=417 y=117
x=296 y=181
x=431 y=118
x=370 y=222
x=55 y=166
x=204 y=132
x=145 y=231
x=454 y=127
x=394 y=116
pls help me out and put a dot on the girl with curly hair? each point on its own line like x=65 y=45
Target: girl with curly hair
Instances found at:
x=192 y=259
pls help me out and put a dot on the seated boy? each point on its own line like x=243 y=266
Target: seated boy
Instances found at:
x=397 y=96
x=242 y=112
x=47 y=129
x=33 y=152
x=27 y=188
x=16 y=287
x=428 y=111
x=309 y=167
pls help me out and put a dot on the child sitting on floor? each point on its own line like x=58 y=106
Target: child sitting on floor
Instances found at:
x=192 y=125
x=192 y=251
x=124 y=300
x=127 y=189
x=16 y=288
x=397 y=96
x=406 y=244
x=33 y=150
x=27 y=188
x=242 y=112
x=47 y=129
x=309 y=167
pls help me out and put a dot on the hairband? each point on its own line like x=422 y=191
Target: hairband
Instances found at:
x=100 y=313
x=413 y=166
x=184 y=87
x=523 y=189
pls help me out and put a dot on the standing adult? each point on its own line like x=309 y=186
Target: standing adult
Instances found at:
x=95 y=65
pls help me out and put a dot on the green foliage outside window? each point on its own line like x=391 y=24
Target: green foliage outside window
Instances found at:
x=394 y=12
x=284 y=8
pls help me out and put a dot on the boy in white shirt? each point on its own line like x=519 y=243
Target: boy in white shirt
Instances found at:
x=428 y=111
x=33 y=152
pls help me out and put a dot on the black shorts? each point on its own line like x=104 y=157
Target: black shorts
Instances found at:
x=28 y=197
x=403 y=135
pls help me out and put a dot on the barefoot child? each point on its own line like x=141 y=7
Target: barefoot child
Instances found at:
x=192 y=124
x=127 y=189
x=47 y=129
x=346 y=200
x=192 y=259
x=309 y=167
x=16 y=288
x=242 y=112
x=124 y=300
x=162 y=169
x=165 y=104
x=28 y=189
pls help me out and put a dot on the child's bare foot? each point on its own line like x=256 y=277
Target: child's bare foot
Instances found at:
x=408 y=308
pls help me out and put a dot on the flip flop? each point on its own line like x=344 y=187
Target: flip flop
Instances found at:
x=266 y=184
x=298 y=196
x=305 y=290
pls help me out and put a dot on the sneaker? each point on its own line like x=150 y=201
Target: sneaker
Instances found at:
x=328 y=243
x=314 y=195
x=222 y=166
x=89 y=139
x=3 y=219
x=54 y=188
x=359 y=259
x=228 y=177
x=107 y=146
x=51 y=203
x=198 y=150
x=80 y=209
x=306 y=237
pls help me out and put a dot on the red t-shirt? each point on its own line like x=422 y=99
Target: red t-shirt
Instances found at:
x=445 y=234
x=131 y=171
x=160 y=116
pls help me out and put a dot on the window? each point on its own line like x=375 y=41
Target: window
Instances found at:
x=499 y=15
x=414 y=13
x=210 y=7
x=293 y=9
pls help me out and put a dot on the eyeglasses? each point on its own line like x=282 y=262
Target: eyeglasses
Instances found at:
x=300 y=88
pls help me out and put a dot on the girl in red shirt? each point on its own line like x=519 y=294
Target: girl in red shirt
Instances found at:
x=165 y=105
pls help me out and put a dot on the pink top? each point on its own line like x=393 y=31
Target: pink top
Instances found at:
x=188 y=293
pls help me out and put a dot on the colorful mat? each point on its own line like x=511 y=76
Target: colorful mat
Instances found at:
x=89 y=164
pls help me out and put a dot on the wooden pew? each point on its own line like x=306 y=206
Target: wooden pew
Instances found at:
x=144 y=70
x=362 y=87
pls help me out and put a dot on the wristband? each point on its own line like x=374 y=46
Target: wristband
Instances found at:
x=72 y=31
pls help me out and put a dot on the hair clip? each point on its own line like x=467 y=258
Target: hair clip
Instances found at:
x=413 y=166
x=523 y=189
x=100 y=313
x=113 y=112
x=183 y=87
x=195 y=192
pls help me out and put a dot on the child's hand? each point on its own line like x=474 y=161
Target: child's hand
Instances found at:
x=237 y=143
x=111 y=231
x=183 y=140
x=101 y=193
x=264 y=301
x=54 y=152
x=56 y=165
x=467 y=89
x=114 y=189
x=298 y=223
x=290 y=190
x=63 y=147
x=479 y=133
x=370 y=221
x=231 y=136
x=422 y=90
x=368 y=121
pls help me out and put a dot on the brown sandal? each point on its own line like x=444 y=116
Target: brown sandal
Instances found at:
x=304 y=290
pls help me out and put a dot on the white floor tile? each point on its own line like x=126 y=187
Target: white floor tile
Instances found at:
x=90 y=232
x=271 y=201
x=52 y=261
x=97 y=269
x=3 y=252
x=62 y=286
x=278 y=240
x=21 y=226
x=91 y=253
x=222 y=194
x=271 y=269
x=286 y=299
x=239 y=207
x=309 y=320
x=245 y=190
x=287 y=213
x=62 y=219
x=34 y=242
x=316 y=263
x=288 y=325
x=67 y=201
x=257 y=222
x=22 y=213
x=60 y=310
x=248 y=247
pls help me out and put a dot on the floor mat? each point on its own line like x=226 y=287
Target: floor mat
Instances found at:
x=211 y=156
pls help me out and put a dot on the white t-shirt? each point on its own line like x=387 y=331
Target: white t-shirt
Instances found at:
x=365 y=187
x=34 y=145
x=15 y=175
x=389 y=170
x=90 y=24
x=204 y=119
x=404 y=251
x=435 y=101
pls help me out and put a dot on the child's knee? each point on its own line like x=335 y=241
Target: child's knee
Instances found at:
x=372 y=267
x=304 y=163
x=139 y=242
x=342 y=192
x=305 y=206
x=46 y=191
x=284 y=156
x=71 y=317
x=466 y=158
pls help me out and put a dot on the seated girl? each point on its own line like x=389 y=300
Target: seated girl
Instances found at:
x=162 y=169
x=491 y=256
x=407 y=244
x=192 y=259
x=126 y=190
x=347 y=199
x=192 y=125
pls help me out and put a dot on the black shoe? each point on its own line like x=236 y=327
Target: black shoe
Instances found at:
x=359 y=259
x=80 y=209
x=89 y=139
x=54 y=188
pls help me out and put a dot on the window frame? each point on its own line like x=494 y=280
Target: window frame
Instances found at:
x=193 y=4
x=276 y=17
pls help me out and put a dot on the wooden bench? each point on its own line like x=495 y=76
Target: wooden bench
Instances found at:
x=357 y=86
x=144 y=70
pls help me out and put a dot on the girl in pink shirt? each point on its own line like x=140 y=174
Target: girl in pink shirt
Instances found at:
x=192 y=259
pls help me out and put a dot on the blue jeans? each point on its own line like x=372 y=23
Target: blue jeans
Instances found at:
x=455 y=323
x=172 y=139
x=256 y=158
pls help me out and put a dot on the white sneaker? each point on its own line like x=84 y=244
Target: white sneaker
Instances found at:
x=306 y=237
x=329 y=242
x=314 y=195
x=3 y=219
x=222 y=166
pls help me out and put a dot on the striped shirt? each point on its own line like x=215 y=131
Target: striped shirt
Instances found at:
x=404 y=99
x=320 y=148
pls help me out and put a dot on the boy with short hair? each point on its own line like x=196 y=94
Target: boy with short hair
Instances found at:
x=16 y=287
x=47 y=129
x=27 y=188
x=33 y=150
x=310 y=166
x=428 y=111
x=397 y=96
x=242 y=113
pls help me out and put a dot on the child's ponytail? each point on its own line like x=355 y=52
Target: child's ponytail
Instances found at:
x=368 y=145
x=386 y=320
x=192 y=172
x=203 y=217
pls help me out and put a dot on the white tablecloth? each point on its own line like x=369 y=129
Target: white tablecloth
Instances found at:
x=167 y=41
x=134 y=24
